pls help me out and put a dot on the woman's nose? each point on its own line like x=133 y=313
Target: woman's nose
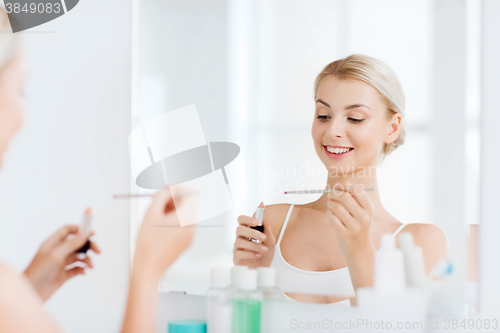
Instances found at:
x=336 y=128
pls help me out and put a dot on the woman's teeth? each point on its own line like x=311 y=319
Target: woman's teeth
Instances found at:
x=338 y=150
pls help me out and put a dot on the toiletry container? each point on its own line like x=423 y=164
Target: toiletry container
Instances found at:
x=272 y=301
x=413 y=261
x=389 y=300
x=235 y=271
x=187 y=326
x=247 y=301
x=219 y=306
x=389 y=267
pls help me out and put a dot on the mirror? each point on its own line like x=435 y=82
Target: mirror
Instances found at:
x=249 y=68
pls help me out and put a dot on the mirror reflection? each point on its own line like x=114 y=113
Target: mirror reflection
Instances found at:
x=347 y=96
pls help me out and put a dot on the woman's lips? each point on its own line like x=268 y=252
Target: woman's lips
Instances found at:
x=337 y=156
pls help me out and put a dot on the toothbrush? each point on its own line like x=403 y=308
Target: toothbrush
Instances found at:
x=259 y=215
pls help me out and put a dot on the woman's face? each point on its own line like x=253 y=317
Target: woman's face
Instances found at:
x=11 y=115
x=351 y=114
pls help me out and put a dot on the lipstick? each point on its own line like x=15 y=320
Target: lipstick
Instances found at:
x=85 y=227
x=259 y=215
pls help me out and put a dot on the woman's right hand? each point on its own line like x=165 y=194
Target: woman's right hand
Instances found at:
x=251 y=254
x=162 y=239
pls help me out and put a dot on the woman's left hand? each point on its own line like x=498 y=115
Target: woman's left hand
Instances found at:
x=47 y=272
x=350 y=212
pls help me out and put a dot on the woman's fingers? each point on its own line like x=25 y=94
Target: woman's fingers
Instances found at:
x=246 y=245
x=241 y=255
x=60 y=235
x=248 y=221
x=94 y=247
x=344 y=216
x=74 y=272
x=339 y=227
x=354 y=202
x=361 y=196
x=268 y=233
x=162 y=201
x=246 y=232
x=75 y=257
x=70 y=245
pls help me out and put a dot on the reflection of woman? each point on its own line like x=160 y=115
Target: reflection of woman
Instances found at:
x=22 y=296
x=47 y=270
x=328 y=246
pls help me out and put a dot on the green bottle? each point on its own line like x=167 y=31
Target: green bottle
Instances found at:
x=247 y=300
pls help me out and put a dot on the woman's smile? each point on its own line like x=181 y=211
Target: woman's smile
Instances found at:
x=337 y=152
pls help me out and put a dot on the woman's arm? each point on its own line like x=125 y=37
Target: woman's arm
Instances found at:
x=140 y=315
x=160 y=242
x=21 y=308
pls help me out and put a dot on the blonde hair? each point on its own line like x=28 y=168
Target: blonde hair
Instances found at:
x=378 y=75
x=10 y=43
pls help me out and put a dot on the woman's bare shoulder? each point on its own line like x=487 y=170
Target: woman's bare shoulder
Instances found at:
x=431 y=239
x=7 y=274
x=426 y=233
x=276 y=214
x=18 y=301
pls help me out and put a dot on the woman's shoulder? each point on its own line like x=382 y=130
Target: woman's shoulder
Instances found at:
x=276 y=214
x=7 y=274
x=431 y=239
x=426 y=232
x=18 y=299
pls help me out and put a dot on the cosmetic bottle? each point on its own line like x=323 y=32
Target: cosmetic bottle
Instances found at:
x=389 y=297
x=447 y=293
x=187 y=326
x=247 y=301
x=272 y=299
x=389 y=267
x=413 y=261
x=235 y=272
x=219 y=306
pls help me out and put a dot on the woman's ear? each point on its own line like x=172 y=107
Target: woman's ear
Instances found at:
x=393 y=127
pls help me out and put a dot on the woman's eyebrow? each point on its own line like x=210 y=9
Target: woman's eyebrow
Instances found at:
x=356 y=106
x=359 y=105
x=322 y=102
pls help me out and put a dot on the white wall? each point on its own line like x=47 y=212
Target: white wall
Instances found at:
x=72 y=153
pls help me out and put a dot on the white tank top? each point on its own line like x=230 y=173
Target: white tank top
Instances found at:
x=336 y=282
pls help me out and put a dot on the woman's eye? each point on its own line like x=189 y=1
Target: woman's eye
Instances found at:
x=354 y=120
x=323 y=118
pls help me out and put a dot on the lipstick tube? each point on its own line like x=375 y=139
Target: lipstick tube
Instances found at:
x=259 y=215
x=85 y=227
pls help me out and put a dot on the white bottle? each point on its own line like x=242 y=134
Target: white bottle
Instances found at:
x=235 y=271
x=414 y=261
x=219 y=306
x=389 y=267
x=389 y=298
x=272 y=302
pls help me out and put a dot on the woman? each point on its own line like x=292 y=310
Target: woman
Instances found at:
x=47 y=270
x=329 y=244
x=22 y=296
